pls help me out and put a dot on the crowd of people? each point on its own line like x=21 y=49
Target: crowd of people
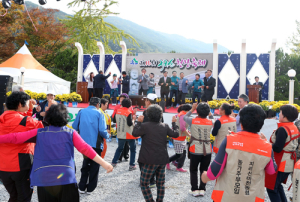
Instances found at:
x=245 y=161
x=177 y=87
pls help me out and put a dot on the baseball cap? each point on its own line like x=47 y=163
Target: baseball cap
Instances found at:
x=95 y=100
x=51 y=92
x=124 y=95
x=114 y=75
x=151 y=96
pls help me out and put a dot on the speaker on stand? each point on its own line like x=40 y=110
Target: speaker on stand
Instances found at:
x=5 y=86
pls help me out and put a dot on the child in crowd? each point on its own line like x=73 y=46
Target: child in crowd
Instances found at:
x=114 y=89
x=284 y=143
x=200 y=146
x=53 y=170
x=125 y=121
x=180 y=142
x=153 y=155
x=151 y=84
x=242 y=160
x=223 y=125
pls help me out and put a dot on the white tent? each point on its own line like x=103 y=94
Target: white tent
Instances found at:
x=36 y=77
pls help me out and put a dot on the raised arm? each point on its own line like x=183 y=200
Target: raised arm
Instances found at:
x=138 y=128
x=19 y=138
x=174 y=132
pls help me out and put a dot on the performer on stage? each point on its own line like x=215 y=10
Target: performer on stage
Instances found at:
x=209 y=86
x=165 y=83
x=260 y=84
x=143 y=83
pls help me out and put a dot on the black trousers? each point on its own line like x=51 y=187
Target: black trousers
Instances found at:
x=98 y=92
x=17 y=185
x=89 y=173
x=142 y=91
x=180 y=159
x=91 y=92
x=206 y=97
x=125 y=91
x=59 y=193
x=204 y=162
x=152 y=179
x=163 y=94
x=125 y=152
x=181 y=97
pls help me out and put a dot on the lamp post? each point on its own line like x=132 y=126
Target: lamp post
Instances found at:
x=291 y=74
x=22 y=69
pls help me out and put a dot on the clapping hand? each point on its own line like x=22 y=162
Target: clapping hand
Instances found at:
x=174 y=119
x=141 y=118
x=194 y=106
x=187 y=81
x=173 y=83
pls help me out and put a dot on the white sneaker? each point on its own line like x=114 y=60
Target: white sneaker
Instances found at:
x=81 y=192
x=201 y=192
x=194 y=193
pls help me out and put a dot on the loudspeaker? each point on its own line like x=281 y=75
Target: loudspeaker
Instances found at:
x=5 y=86
x=137 y=100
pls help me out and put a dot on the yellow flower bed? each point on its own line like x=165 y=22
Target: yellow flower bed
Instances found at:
x=213 y=104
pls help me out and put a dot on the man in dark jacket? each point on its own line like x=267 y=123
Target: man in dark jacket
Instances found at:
x=209 y=86
x=165 y=83
x=154 y=137
x=259 y=84
x=125 y=83
x=99 y=83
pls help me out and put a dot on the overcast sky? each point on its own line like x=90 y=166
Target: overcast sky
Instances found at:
x=257 y=21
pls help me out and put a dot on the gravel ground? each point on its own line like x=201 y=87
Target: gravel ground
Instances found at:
x=122 y=185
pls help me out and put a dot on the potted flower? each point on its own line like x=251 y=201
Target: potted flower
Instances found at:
x=65 y=99
x=297 y=106
x=41 y=97
x=58 y=98
x=213 y=105
x=75 y=98
x=265 y=106
x=236 y=108
x=34 y=95
x=276 y=108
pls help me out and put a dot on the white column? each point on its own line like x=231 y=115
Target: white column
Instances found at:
x=102 y=56
x=124 y=55
x=243 y=65
x=80 y=62
x=215 y=66
x=272 y=71
x=22 y=80
x=291 y=91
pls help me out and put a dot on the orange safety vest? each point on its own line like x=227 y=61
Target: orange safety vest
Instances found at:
x=286 y=159
x=227 y=123
x=200 y=136
x=182 y=136
x=123 y=130
x=243 y=176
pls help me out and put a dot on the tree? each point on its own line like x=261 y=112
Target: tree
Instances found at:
x=10 y=25
x=294 y=41
x=88 y=26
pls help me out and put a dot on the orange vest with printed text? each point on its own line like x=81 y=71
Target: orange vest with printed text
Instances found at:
x=123 y=130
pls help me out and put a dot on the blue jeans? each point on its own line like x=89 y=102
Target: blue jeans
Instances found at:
x=114 y=95
x=198 y=95
x=278 y=195
x=172 y=92
x=120 y=148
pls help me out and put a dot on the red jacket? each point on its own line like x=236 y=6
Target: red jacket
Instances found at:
x=16 y=157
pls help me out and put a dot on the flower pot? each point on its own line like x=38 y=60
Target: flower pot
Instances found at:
x=277 y=115
x=40 y=101
x=58 y=102
x=66 y=103
x=74 y=104
x=235 y=111
x=212 y=111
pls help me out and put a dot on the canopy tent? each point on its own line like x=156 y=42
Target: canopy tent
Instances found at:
x=36 y=77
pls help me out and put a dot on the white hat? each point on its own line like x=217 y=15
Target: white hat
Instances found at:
x=50 y=92
x=151 y=96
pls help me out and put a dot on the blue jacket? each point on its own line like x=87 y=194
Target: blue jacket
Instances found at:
x=91 y=125
x=196 y=84
x=53 y=157
x=125 y=83
x=175 y=80
x=185 y=86
x=43 y=106
x=99 y=80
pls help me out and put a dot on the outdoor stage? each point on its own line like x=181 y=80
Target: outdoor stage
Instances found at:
x=269 y=126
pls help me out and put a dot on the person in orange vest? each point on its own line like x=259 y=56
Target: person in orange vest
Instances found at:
x=103 y=107
x=242 y=160
x=200 y=147
x=223 y=125
x=296 y=179
x=284 y=143
x=125 y=121
x=180 y=142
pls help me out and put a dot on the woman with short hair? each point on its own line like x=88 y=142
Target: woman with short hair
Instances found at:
x=53 y=170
